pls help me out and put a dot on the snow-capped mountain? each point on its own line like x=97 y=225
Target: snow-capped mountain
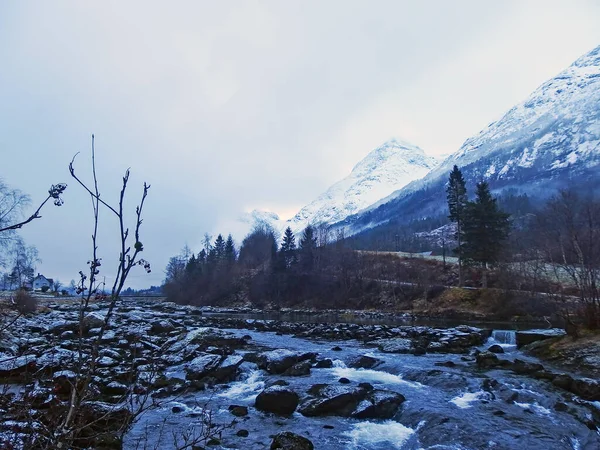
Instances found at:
x=383 y=171
x=549 y=141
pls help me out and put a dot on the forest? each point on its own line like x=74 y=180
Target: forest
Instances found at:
x=541 y=261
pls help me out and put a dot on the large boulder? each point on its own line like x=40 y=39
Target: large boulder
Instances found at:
x=201 y=366
x=217 y=367
x=291 y=441
x=586 y=388
x=379 y=404
x=489 y=360
x=277 y=399
x=362 y=402
x=278 y=361
x=299 y=369
x=162 y=326
x=13 y=366
x=395 y=345
x=364 y=362
x=525 y=368
x=527 y=337
x=93 y=320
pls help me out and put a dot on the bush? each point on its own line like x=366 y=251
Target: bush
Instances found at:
x=45 y=288
x=24 y=302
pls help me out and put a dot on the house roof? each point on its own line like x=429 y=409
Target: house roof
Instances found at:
x=40 y=276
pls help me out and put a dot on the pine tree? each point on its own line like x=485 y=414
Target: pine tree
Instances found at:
x=309 y=240
x=485 y=228
x=308 y=244
x=230 y=250
x=219 y=248
x=202 y=257
x=288 y=247
x=456 y=194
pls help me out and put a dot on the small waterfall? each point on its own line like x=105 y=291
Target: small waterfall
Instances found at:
x=507 y=337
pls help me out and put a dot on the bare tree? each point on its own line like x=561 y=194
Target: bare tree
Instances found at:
x=569 y=234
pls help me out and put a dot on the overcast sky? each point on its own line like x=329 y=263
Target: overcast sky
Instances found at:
x=228 y=106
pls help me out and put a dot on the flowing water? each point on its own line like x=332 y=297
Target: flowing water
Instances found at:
x=449 y=406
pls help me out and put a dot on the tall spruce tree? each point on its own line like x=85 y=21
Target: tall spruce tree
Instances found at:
x=484 y=231
x=220 y=247
x=230 y=250
x=308 y=240
x=288 y=247
x=456 y=194
x=308 y=244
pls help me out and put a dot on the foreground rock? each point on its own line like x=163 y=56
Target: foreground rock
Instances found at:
x=278 y=400
x=291 y=441
x=219 y=368
x=279 y=361
x=527 y=337
x=586 y=388
x=361 y=402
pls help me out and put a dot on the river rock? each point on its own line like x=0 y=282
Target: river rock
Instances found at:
x=364 y=362
x=362 y=402
x=395 y=345
x=527 y=337
x=489 y=360
x=277 y=399
x=201 y=366
x=93 y=320
x=299 y=369
x=324 y=364
x=162 y=326
x=238 y=410
x=379 y=404
x=496 y=349
x=586 y=388
x=278 y=361
x=11 y=366
x=291 y=441
x=525 y=368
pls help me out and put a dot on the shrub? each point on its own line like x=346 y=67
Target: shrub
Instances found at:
x=45 y=288
x=24 y=302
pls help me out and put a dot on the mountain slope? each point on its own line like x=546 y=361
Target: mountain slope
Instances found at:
x=383 y=171
x=386 y=169
x=549 y=141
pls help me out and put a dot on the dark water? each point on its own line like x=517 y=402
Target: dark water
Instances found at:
x=457 y=407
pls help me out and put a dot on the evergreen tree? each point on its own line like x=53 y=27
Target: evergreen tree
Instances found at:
x=288 y=247
x=202 y=257
x=308 y=244
x=486 y=227
x=230 y=250
x=191 y=265
x=219 y=247
x=309 y=240
x=456 y=194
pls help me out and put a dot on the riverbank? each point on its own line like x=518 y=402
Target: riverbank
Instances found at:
x=581 y=355
x=342 y=385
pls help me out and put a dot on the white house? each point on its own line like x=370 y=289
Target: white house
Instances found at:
x=40 y=281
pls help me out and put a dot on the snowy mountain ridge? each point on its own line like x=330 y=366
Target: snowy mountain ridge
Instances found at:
x=551 y=140
x=384 y=170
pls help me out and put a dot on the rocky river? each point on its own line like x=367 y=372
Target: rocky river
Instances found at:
x=268 y=384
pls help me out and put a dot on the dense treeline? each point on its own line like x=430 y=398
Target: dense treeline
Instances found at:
x=550 y=252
